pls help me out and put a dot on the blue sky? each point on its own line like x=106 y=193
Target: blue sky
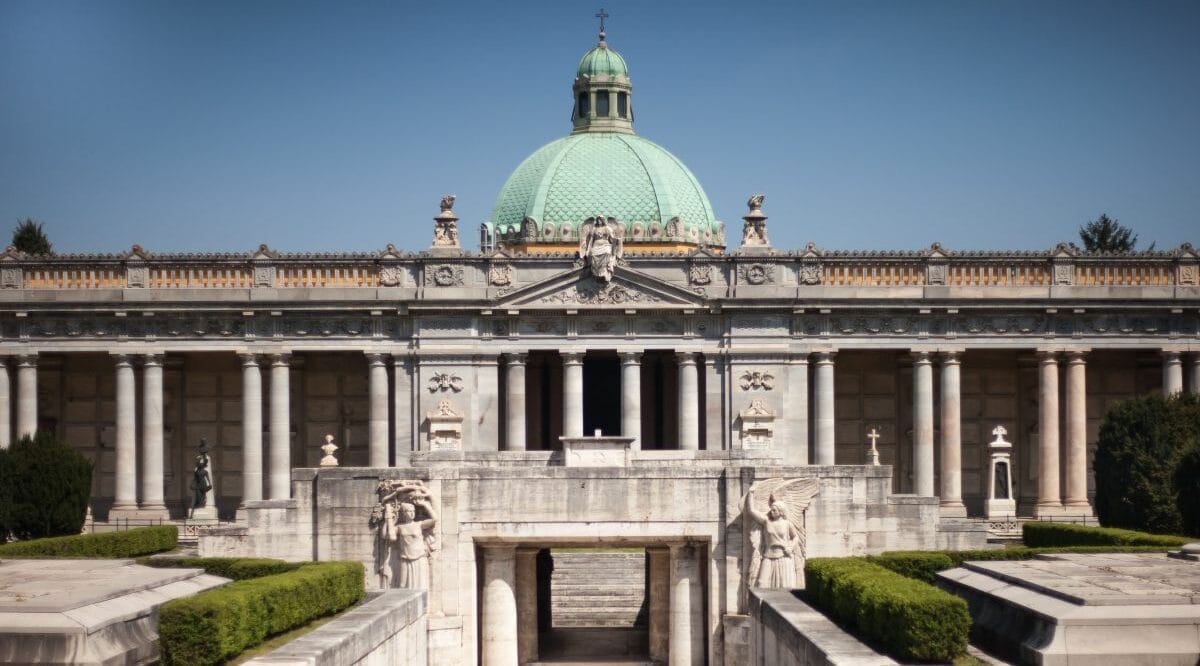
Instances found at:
x=325 y=126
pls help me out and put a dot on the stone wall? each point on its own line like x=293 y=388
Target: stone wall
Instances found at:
x=389 y=629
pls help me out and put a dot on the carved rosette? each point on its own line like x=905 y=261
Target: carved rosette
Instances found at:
x=756 y=274
x=444 y=275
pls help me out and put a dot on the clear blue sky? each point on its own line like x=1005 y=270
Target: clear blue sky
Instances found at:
x=338 y=125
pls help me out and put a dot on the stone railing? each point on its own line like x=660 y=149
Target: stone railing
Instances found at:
x=1063 y=266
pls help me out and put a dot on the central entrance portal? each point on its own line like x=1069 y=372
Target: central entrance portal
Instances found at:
x=601 y=393
x=599 y=606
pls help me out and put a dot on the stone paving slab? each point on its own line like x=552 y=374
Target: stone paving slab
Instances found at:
x=1084 y=609
x=60 y=585
x=1121 y=579
x=87 y=611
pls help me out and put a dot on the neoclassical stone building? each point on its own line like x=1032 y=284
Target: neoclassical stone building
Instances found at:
x=605 y=296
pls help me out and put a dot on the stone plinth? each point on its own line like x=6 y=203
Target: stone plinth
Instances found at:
x=597 y=451
x=87 y=611
x=1121 y=608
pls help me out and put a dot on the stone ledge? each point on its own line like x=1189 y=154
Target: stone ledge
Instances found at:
x=355 y=635
x=803 y=635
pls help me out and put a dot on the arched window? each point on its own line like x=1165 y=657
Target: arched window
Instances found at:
x=582 y=106
x=622 y=104
x=601 y=103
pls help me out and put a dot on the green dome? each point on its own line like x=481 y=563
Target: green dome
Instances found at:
x=602 y=60
x=604 y=173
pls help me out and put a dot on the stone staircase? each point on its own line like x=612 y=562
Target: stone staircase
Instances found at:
x=598 y=589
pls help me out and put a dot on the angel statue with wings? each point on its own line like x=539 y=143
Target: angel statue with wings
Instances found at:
x=601 y=244
x=776 y=538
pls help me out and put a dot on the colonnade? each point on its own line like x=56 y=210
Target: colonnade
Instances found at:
x=1053 y=498
x=508 y=605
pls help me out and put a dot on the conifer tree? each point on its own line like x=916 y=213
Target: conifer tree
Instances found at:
x=29 y=238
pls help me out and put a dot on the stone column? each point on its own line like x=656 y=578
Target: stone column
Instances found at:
x=1075 y=498
x=824 y=407
x=279 y=478
x=572 y=394
x=922 y=424
x=631 y=396
x=252 y=462
x=125 y=496
x=377 y=390
x=152 y=434
x=658 y=586
x=1172 y=372
x=689 y=402
x=686 y=632
x=403 y=443
x=795 y=447
x=1195 y=375
x=514 y=417
x=5 y=406
x=27 y=398
x=527 y=605
x=498 y=628
x=1049 y=502
x=951 y=495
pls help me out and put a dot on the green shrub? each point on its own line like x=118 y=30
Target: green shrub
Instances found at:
x=918 y=564
x=216 y=625
x=908 y=619
x=130 y=543
x=235 y=568
x=1141 y=444
x=44 y=488
x=1187 y=488
x=1037 y=534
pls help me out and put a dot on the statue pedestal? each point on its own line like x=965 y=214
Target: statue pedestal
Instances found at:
x=597 y=451
x=204 y=513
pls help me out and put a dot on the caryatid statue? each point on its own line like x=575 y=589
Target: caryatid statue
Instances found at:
x=601 y=244
x=405 y=523
x=775 y=539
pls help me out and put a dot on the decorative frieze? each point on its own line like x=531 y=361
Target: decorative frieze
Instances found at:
x=590 y=292
x=500 y=275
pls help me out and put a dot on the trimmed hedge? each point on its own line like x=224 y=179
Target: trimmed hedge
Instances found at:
x=1036 y=534
x=129 y=543
x=217 y=625
x=235 y=568
x=908 y=619
x=924 y=564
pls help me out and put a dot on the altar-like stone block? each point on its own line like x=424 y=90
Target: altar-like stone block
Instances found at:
x=597 y=451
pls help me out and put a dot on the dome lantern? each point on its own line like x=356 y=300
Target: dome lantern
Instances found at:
x=602 y=91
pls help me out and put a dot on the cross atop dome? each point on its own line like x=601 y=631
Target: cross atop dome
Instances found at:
x=601 y=15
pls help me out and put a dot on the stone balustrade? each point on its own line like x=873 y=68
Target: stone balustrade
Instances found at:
x=1063 y=266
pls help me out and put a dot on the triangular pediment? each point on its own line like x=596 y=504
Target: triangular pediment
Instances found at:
x=579 y=289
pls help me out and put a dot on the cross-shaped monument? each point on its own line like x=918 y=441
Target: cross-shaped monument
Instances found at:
x=874 y=437
x=601 y=15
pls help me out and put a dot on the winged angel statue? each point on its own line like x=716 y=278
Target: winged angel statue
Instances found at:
x=601 y=244
x=775 y=540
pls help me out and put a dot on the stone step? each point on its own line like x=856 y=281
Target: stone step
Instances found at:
x=591 y=589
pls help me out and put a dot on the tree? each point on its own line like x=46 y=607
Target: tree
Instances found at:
x=1105 y=234
x=44 y=488
x=29 y=238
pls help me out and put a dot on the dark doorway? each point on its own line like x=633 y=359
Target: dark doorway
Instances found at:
x=660 y=399
x=601 y=393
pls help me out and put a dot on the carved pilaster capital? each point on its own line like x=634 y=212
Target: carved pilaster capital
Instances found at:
x=248 y=359
x=685 y=357
x=952 y=357
x=630 y=357
x=1047 y=357
x=153 y=360
x=1172 y=356
x=283 y=359
x=572 y=358
x=122 y=360
x=921 y=356
x=27 y=360
x=825 y=357
x=376 y=359
x=516 y=358
x=1077 y=356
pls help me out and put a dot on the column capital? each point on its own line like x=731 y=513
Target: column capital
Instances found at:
x=1047 y=356
x=27 y=360
x=825 y=357
x=516 y=358
x=1171 y=355
x=248 y=359
x=572 y=358
x=153 y=360
x=630 y=357
x=122 y=359
x=281 y=359
x=921 y=356
x=376 y=358
x=952 y=357
x=1077 y=356
x=686 y=357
